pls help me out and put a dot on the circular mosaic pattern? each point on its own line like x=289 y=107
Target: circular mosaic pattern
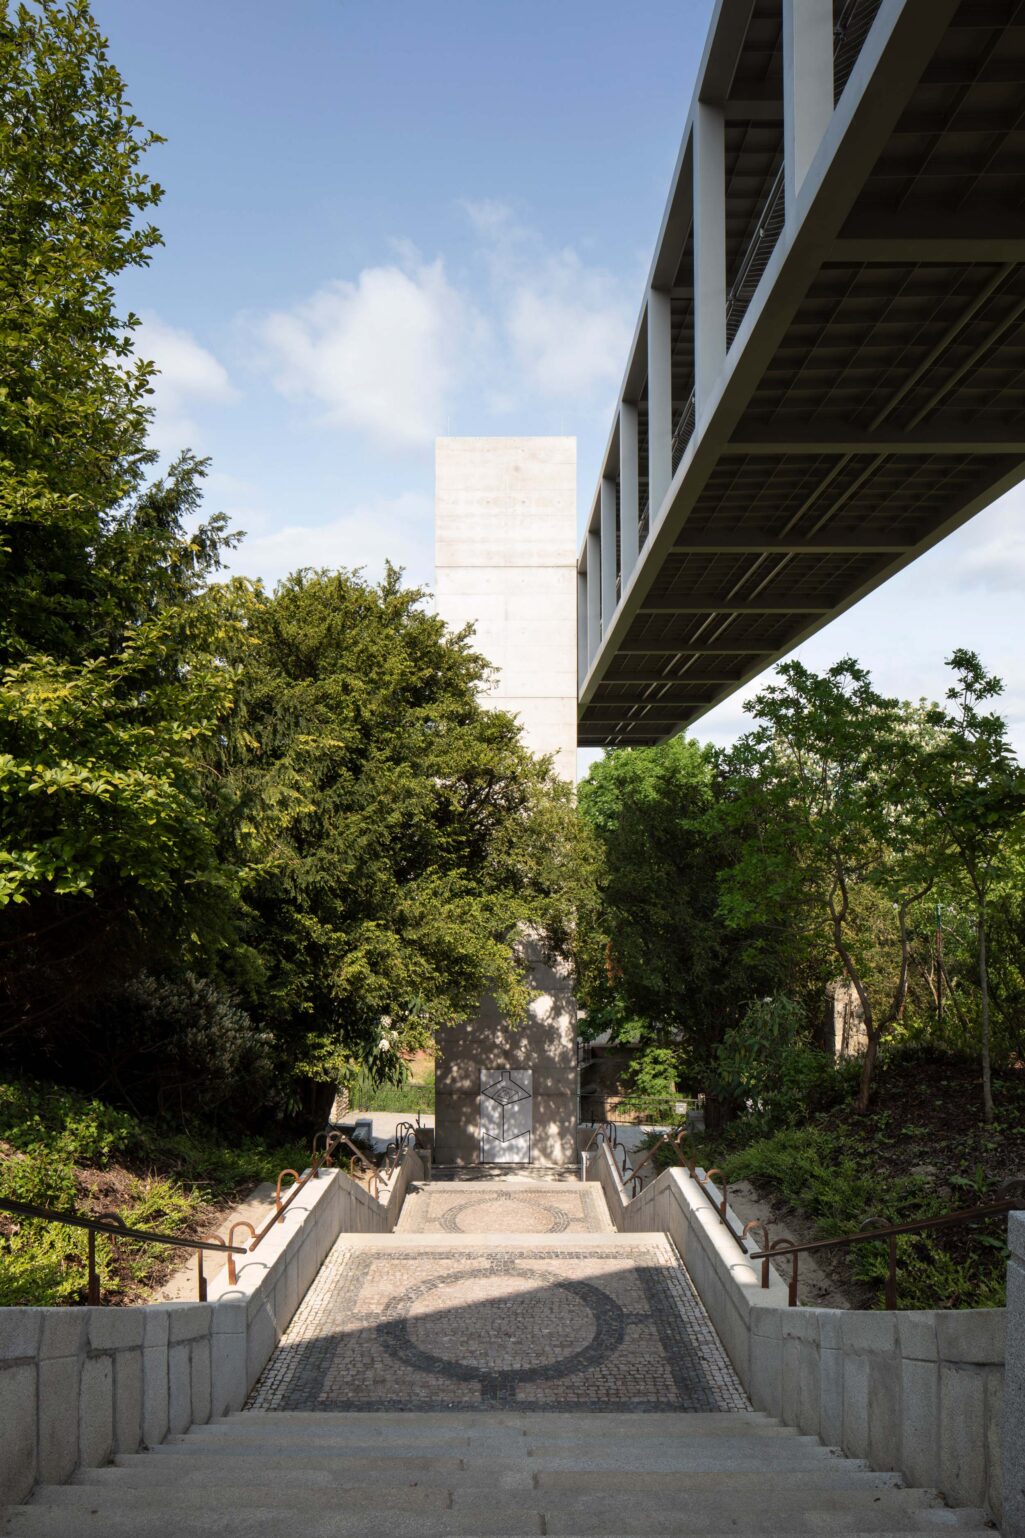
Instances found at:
x=514 y=1328
x=511 y=1214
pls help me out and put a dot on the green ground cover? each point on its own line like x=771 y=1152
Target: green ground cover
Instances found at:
x=919 y=1151
x=398 y=1097
x=68 y=1151
x=415 y=1096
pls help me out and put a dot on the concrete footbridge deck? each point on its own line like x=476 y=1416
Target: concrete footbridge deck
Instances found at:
x=827 y=374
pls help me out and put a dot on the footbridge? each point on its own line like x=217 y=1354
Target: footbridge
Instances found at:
x=827 y=375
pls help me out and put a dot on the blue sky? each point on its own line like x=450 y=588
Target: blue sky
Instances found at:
x=389 y=219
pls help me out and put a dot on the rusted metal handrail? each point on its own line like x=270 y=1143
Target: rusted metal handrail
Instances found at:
x=1014 y=1201
x=323 y=1160
x=113 y=1225
x=607 y=1132
x=674 y=1139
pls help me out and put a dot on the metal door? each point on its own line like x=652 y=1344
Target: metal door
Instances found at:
x=506 y=1115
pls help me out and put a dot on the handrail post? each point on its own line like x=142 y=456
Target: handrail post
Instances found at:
x=792 y=1295
x=201 y=1279
x=94 y=1281
x=891 y=1272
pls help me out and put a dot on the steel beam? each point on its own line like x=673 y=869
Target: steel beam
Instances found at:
x=807 y=87
x=660 y=398
x=897 y=49
x=593 y=593
x=709 y=254
x=753 y=543
x=629 y=504
x=608 y=552
x=691 y=649
x=695 y=603
x=937 y=436
x=703 y=680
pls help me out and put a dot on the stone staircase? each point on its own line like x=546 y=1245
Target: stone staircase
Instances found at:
x=438 y=1475
x=503 y=1363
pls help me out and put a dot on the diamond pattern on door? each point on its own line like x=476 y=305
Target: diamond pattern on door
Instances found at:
x=506 y=1115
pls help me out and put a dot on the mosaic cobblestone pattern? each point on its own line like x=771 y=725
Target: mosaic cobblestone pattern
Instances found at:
x=461 y=1209
x=596 y=1328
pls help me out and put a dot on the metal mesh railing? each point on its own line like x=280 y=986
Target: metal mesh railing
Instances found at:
x=852 y=27
x=849 y=34
x=756 y=258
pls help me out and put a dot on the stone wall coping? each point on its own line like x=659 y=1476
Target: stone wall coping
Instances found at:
x=919 y=1392
x=79 y=1385
x=1016 y=1233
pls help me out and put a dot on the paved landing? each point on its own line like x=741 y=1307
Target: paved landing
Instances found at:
x=521 y=1207
x=579 y=1323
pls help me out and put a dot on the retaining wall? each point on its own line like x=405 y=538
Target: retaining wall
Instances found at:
x=1014 y=1384
x=917 y=1392
x=80 y=1384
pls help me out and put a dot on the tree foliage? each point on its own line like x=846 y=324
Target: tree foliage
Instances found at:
x=285 y=818
x=393 y=833
x=112 y=641
x=975 y=790
x=814 y=776
x=659 y=962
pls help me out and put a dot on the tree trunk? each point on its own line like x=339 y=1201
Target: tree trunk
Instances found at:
x=987 y=1076
x=867 y=1065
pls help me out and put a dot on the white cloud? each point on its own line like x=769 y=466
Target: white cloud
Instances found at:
x=567 y=323
x=995 y=560
x=399 y=529
x=190 y=377
x=379 y=354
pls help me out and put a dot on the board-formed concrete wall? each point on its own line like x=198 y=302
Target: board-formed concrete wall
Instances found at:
x=920 y=1393
x=545 y=1041
x=78 y=1385
x=505 y=534
x=505 y=561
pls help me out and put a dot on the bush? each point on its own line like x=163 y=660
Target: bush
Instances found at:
x=815 y=1173
x=51 y=1137
x=767 y=1064
x=68 y=1125
x=182 y=1046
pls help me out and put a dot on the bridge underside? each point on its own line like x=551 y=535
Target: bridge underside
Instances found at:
x=829 y=371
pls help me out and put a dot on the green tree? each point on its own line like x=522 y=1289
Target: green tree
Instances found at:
x=834 y=822
x=112 y=642
x=73 y=401
x=660 y=964
x=394 y=834
x=975 y=788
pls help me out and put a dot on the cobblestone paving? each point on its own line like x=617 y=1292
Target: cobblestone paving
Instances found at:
x=589 y=1327
x=512 y=1209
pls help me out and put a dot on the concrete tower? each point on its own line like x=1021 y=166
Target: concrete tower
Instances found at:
x=505 y=529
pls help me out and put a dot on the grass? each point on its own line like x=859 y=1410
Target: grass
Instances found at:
x=64 y=1150
x=415 y=1095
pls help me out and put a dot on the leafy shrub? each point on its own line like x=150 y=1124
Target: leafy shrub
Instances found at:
x=815 y=1174
x=49 y=1133
x=71 y=1126
x=654 y=1074
x=182 y=1046
x=768 y=1064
